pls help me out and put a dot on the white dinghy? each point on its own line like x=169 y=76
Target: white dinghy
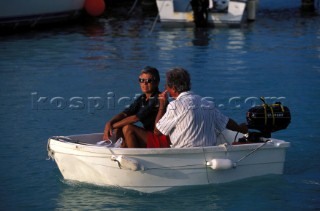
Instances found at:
x=81 y=158
x=237 y=156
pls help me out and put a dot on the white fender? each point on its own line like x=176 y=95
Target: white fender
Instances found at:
x=126 y=163
x=220 y=164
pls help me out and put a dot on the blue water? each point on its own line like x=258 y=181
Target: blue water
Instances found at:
x=71 y=80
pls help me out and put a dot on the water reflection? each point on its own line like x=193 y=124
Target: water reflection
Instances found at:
x=236 y=40
x=94 y=29
x=222 y=51
x=77 y=196
x=201 y=37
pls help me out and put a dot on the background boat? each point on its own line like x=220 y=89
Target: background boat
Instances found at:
x=184 y=12
x=17 y=13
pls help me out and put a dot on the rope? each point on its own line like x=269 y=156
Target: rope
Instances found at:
x=205 y=160
x=265 y=114
x=177 y=167
x=265 y=107
x=235 y=138
x=187 y=7
x=273 y=118
x=50 y=152
x=250 y=153
x=132 y=8
x=63 y=138
x=157 y=17
x=154 y=23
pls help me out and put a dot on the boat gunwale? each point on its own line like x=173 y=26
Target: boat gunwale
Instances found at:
x=96 y=149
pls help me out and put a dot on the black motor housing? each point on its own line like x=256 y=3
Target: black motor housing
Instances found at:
x=268 y=118
x=200 y=12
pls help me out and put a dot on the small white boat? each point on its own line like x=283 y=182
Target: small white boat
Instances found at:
x=15 y=13
x=81 y=158
x=220 y=12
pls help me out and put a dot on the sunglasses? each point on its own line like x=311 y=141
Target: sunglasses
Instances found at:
x=146 y=80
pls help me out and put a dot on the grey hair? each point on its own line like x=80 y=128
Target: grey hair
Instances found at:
x=152 y=71
x=179 y=79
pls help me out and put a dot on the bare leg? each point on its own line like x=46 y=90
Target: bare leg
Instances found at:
x=116 y=134
x=134 y=136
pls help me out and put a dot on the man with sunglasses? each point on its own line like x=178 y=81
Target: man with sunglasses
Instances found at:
x=144 y=109
x=190 y=120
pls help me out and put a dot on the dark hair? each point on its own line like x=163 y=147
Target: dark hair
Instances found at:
x=179 y=79
x=152 y=71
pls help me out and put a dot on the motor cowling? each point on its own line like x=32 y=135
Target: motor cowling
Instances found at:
x=268 y=118
x=200 y=12
x=221 y=5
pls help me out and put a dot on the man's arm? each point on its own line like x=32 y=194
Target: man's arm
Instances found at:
x=109 y=125
x=163 y=102
x=126 y=121
x=121 y=120
x=232 y=125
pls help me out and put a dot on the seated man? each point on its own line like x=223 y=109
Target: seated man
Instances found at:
x=143 y=109
x=190 y=120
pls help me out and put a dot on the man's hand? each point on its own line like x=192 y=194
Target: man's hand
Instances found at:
x=163 y=99
x=107 y=131
x=232 y=125
x=243 y=128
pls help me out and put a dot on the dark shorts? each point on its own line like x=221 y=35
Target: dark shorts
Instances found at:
x=154 y=141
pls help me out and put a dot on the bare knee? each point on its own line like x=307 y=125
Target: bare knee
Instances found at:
x=134 y=136
x=127 y=129
x=128 y=132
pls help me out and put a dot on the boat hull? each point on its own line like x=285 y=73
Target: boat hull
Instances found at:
x=162 y=169
x=180 y=12
x=17 y=13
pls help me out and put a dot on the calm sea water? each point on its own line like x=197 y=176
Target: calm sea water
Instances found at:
x=44 y=74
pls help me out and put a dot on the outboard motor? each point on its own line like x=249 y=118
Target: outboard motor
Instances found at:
x=266 y=119
x=200 y=12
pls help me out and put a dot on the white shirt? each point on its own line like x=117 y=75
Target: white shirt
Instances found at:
x=192 y=121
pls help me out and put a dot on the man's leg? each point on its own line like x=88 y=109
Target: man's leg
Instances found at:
x=134 y=136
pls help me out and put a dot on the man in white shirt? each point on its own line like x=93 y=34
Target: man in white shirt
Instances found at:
x=190 y=120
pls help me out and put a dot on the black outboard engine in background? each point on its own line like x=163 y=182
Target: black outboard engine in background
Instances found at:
x=200 y=12
x=266 y=119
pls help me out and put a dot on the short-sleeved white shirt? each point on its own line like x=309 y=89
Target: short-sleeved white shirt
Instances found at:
x=192 y=121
